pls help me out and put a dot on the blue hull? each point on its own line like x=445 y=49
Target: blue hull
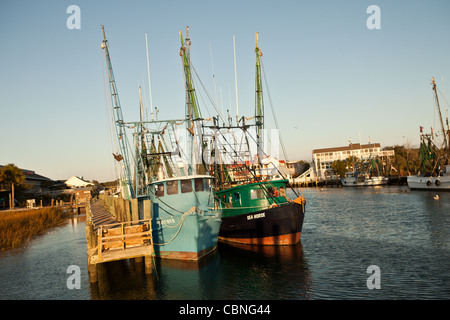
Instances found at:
x=185 y=225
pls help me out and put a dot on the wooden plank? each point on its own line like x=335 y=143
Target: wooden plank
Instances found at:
x=126 y=204
x=134 y=209
x=112 y=244
x=135 y=241
x=148 y=209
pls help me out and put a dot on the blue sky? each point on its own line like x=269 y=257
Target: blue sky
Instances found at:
x=330 y=77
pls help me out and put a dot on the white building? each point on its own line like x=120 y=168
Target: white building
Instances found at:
x=323 y=158
x=76 y=182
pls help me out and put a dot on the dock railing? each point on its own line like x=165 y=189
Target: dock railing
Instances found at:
x=114 y=238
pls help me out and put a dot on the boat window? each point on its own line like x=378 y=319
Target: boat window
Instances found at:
x=199 y=184
x=186 y=186
x=159 y=190
x=172 y=187
x=236 y=196
x=256 y=194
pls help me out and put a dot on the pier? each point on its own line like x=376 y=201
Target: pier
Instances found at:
x=115 y=232
x=310 y=179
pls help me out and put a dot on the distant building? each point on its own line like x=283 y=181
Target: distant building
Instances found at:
x=82 y=195
x=323 y=158
x=36 y=182
x=77 y=182
x=297 y=167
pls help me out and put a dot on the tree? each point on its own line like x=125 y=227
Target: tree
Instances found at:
x=12 y=176
x=406 y=159
x=352 y=162
x=339 y=167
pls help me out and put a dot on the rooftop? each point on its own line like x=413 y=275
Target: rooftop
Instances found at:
x=353 y=146
x=31 y=175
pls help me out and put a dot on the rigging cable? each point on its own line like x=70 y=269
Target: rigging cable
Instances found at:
x=273 y=112
x=109 y=116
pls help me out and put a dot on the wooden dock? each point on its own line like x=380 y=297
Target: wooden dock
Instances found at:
x=109 y=239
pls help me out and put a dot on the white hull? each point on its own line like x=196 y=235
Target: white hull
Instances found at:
x=354 y=182
x=429 y=183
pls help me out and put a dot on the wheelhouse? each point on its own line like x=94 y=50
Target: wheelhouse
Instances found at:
x=181 y=185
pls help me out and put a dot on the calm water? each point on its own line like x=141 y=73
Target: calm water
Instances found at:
x=406 y=234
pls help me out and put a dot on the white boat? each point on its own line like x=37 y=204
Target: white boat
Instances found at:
x=434 y=159
x=359 y=179
x=439 y=182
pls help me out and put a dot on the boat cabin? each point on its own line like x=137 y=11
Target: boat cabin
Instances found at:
x=181 y=185
x=252 y=197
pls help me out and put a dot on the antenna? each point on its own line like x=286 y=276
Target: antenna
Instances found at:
x=140 y=104
x=148 y=73
x=439 y=109
x=221 y=100
x=445 y=108
x=214 y=77
x=235 y=79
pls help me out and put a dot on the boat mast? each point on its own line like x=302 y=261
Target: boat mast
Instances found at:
x=118 y=118
x=259 y=104
x=192 y=108
x=140 y=153
x=444 y=133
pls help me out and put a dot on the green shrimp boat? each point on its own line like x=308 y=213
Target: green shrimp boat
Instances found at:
x=255 y=207
x=260 y=213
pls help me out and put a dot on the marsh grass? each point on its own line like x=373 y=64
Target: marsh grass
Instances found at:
x=20 y=226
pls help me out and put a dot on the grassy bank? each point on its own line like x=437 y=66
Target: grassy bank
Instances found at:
x=20 y=226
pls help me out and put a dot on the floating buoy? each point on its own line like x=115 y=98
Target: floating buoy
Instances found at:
x=436 y=197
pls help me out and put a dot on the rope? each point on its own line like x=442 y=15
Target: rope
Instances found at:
x=178 y=231
x=174 y=226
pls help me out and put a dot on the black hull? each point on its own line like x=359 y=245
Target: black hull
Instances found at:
x=276 y=226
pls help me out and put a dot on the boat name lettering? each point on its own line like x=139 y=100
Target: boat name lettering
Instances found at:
x=256 y=216
x=166 y=221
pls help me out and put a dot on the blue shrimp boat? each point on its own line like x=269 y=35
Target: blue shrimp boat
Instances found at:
x=185 y=224
x=185 y=219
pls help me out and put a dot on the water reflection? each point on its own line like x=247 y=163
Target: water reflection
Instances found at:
x=123 y=280
x=345 y=230
x=261 y=272
x=231 y=272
